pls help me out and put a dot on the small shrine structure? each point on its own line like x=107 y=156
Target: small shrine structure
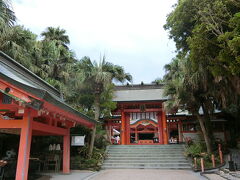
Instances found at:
x=31 y=107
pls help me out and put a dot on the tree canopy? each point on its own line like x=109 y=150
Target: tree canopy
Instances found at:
x=51 y=58
x=205 y=72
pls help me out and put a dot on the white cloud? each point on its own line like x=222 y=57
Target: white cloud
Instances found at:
x=129 y=32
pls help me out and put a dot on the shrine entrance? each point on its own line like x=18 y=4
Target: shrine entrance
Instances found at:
x=144 y=132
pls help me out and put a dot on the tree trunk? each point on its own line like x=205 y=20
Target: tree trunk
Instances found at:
x=92 y=141
x=235 y=81
x=208 y=123
x=108 y=133
x=205 y=134
x=96 y=117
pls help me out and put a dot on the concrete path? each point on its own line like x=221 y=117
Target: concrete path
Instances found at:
x=145 y=174
x=127 y=174
x=214 y=177
x=74 y=175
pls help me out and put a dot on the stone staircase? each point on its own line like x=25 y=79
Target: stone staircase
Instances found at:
x=146 y=157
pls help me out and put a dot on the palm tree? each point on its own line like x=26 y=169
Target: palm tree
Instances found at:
x=56 y=34
x=18 y=43
x=58 y=59
x=7 y=15
x=97 y=77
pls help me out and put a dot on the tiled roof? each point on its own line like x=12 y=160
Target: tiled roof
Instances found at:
x=135 y=93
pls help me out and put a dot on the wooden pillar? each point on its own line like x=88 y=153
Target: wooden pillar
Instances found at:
x=164 y=125
x=123 y=132
x=66 y=152
x=127 y=128
x=24 y=147
x=136 y=135
x=180 y=136
x=160 y=129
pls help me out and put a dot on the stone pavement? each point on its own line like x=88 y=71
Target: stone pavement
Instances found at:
x=127 y=174
x=214 y=177
x=145 y=174
x=74 y=175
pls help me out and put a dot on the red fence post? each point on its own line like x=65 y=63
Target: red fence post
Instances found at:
x=195 y=163
x=213 y=161
x=202 y=164
x=221 y=157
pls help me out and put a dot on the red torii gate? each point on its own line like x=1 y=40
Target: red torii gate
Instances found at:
x=31 y=107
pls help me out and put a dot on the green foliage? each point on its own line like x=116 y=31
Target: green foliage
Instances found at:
x=206 y=33
x=101 y=141
x=195 y=150
x=84 y=162
x=80 y=155
x=7 y=16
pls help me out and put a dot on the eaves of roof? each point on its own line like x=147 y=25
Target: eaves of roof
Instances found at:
x=41 y=93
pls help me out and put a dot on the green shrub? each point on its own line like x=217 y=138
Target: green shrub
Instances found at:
x=195 y=149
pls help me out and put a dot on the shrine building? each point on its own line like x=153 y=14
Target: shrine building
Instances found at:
x=140 y=118
x=31 y=107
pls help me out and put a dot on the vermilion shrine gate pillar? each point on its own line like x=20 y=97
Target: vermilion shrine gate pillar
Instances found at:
x=24 y=146
x=123 y=128
x=164 y=129
x=66 y=152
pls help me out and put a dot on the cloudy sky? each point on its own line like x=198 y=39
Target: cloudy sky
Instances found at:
x=129 y=32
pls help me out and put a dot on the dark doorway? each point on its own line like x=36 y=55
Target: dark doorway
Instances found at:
x=174 y=133
x=145 y=136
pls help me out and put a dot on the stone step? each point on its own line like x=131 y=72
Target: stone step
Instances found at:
x=146 y=158
x=139 y=146
x=161 y=152
x=145 y=167
x=145 y=151
x=145 y=155
x=173 y=161
x=157 y=145
x=146 y=163
x=145 y=148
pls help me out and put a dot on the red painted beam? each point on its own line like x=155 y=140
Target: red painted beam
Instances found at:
x=10 y=123
x=15 y=91
x=72 y=116
x=140 y=103
x=147 y=110
x=49 y=129
x=10 y=107
x=21 y=94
